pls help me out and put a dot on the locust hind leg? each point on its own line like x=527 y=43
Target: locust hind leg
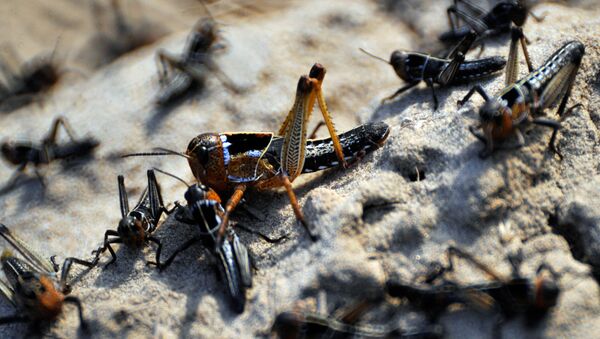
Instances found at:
x=317 y=74
x=50 y=139
x=457 y=56
x=12 y=181
x=512 y=65
x=563 y=103
x=455 y=252
x=154 y=196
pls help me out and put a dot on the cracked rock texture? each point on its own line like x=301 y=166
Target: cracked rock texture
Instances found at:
x=391 y=215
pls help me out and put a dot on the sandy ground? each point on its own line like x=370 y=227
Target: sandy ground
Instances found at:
x=376 y=221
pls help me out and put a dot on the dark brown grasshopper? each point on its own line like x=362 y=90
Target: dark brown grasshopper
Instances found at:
x=137 y=225
x=22 y=154
x=177 y=75
x=507 y=297
x=414 y=67
x=500 y=19
x=299 y=325
x=205 y=211
x=32 y=286
x=22 y=84
x=521 y=102
x=238 y=160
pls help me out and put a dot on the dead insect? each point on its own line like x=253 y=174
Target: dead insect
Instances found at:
x=297 y=325
x=507 y=296
x=498 y=20
x=136 y=226
x=238 y=160
x=414 y=67
x=32 y=286
x=177 y=75
x=22 y=84
x=522 y=102
x=22 y=154
x=204 y=210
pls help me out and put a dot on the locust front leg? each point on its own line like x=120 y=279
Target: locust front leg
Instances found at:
x=235 y=199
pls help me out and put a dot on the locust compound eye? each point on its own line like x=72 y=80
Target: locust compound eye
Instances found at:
x=203 y=155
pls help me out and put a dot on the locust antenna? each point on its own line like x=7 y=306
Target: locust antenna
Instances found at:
x=373 y=55
x=171 y=175
x=160 y=151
